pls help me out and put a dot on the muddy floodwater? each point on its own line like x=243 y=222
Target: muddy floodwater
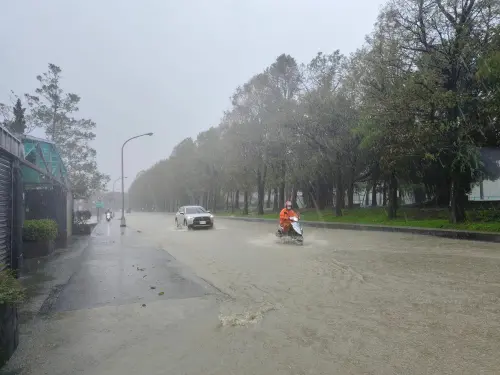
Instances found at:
x=346 y=302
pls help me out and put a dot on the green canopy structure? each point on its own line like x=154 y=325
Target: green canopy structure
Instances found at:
x=43 y=163
x=47 y=189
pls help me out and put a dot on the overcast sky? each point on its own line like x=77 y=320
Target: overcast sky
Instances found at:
x=166 y=66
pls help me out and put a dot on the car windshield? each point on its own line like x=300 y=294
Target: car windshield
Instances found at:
x=195 y=210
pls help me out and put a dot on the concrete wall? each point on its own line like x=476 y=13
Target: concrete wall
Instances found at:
x=491 y=191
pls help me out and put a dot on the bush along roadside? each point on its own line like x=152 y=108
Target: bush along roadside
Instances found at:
x=80 y=223
x=11 y=294
x=38 y=237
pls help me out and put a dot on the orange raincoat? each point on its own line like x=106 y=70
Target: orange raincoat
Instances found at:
x=285 y=218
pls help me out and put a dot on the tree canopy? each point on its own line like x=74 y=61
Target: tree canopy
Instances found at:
x=52 y=109
x=410 y=111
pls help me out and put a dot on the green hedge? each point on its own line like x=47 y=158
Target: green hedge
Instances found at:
x=39 y=230
x=11 y=290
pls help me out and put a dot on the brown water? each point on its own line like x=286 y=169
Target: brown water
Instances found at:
x=347 y=302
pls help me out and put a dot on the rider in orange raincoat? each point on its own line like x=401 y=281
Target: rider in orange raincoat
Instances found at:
x=285 y=214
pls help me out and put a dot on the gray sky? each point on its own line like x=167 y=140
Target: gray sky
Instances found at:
x=166 y=66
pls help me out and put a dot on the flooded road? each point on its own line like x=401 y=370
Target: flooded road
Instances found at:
x=346 y=302
x=233 y=300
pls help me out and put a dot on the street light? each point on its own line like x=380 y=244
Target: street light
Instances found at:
x=122 y=220
x=114 y=183
x=113 y=194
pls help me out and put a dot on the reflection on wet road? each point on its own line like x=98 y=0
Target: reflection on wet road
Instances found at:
x=237 y=302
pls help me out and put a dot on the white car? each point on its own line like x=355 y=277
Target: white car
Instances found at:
x=194 y=217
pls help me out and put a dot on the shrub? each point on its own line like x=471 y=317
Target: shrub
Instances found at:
x=39 y=230
x=11 y=290
x=81 y=217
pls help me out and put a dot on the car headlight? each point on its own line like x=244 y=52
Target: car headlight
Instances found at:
x=189 y=217
x=211 y=216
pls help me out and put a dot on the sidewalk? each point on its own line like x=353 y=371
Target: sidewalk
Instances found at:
x=91 y=303
x=44 y=277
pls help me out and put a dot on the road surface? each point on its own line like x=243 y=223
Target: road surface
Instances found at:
x=237 y=302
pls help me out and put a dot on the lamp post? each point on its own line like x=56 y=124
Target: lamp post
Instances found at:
x=122 y=220
x=113 y=195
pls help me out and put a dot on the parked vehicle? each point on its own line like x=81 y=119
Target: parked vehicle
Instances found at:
x=194 y=217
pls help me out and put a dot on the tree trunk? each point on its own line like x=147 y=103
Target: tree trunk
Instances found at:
x=245 y=203
x=232 y=202
x=227 y=201
x=260 y=191
x=281 y=201
x=384 y=194
x=282 y=198
x=322 y=196
x=443 y=195
x=393 y=196
x=481 y=189
x=419 y=194
x=339 y=192
x=294 y=197
x=214 y=202
x=268 y=202
x=374 y=193
x=308 y=195
x=458 y=200
x=350 y=195
x=367 y=196
x=237 y=200
x=275 y=201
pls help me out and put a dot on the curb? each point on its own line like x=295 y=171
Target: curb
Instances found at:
x=446 y=233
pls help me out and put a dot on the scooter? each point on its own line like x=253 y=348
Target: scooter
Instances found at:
x=108 y=216
x=295 y=233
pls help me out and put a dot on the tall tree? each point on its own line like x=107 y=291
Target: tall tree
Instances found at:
x=18 y=124
x=54 y=110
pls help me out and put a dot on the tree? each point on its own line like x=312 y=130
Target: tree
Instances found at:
x=54 y=111
x=411 y=112
x=18 y=124
x=443 y=41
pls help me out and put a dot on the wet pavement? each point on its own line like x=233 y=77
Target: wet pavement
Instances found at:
x=233 y=300
x=98 y=296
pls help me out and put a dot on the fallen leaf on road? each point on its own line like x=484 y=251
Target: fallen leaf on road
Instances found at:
x=143 y=305
x=144 y=276
x=152 y=287
x=161 y=293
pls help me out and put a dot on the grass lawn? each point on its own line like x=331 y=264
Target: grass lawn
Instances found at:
x=478 y=220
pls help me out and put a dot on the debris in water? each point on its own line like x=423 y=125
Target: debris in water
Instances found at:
x=161 y=293
x=143 y=305
x=152 y=287
x=240 y=320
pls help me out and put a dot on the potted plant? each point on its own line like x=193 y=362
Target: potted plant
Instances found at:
x=38 y=237
x=11 y=294
x=80 y=222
